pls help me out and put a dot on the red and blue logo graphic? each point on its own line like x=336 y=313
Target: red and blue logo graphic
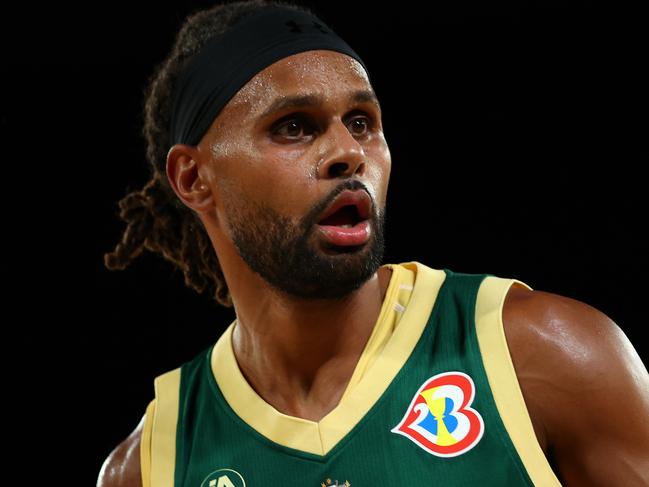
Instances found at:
x=440 y=419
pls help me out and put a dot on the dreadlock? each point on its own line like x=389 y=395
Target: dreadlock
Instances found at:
x=156 y=218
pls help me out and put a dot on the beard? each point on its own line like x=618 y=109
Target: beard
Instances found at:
x=294 y=259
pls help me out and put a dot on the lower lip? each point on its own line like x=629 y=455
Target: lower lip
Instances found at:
x=356 y=235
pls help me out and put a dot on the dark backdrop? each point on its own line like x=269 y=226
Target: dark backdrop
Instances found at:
x=518 y=134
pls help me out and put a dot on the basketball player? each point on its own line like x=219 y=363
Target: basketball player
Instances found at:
x=269 y=185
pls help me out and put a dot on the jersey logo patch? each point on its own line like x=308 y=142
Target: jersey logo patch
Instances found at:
x=224 y=477
x=440 y=419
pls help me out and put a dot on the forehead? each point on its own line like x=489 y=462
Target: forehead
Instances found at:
x=330 y=74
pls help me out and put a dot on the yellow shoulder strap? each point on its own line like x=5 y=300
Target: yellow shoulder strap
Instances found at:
x=145 y=445
x=504 y=381
x=163 y=430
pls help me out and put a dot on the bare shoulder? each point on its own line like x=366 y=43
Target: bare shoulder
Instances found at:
x=122 y=466
x=586 y=388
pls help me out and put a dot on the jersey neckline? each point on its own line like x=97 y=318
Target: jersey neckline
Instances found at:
x=318 y=439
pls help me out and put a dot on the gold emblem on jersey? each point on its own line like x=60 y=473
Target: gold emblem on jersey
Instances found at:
x=334 y=483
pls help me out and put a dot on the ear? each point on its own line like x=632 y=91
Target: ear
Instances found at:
x=184 y=177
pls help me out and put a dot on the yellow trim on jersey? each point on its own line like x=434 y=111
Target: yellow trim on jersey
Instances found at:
x=145 y=445
x=380 y=363
x=395 y=302
x=163 y=432
x=504 y=381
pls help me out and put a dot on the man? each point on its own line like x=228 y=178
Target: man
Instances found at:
x=339 y=370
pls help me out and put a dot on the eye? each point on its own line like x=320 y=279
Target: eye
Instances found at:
x=292 y=125
x=364 y=123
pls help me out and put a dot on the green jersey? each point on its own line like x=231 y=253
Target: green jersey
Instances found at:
x=434 y=400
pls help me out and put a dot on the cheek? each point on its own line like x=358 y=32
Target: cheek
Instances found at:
x=280 y=183
x=381 y=152
x=292 y=189
x=377 y=175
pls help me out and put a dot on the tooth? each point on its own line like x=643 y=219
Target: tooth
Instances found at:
x=347 y=225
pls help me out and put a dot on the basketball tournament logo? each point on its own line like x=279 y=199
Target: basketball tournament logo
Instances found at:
x=440 y=419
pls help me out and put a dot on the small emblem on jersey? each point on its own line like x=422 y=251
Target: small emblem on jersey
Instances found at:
x=224 y=477
x=440 y=419
x=334 y=483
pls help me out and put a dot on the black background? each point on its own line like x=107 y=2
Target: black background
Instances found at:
x=518 y=134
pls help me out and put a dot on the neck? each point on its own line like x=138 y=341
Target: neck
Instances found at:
x=300 y=356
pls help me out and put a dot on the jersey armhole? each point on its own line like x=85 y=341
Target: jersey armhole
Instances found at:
x=503 y=380
x=145 y=445
x=163 y=429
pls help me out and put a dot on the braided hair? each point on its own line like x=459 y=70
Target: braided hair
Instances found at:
x=156 y=218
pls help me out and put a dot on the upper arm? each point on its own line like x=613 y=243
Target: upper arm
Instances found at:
x=122 y=466
x=587 y=385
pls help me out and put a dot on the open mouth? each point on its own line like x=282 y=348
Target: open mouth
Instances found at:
x=345 y=217
x=344 y=229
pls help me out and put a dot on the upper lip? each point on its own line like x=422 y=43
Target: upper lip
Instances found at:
x=360 y=199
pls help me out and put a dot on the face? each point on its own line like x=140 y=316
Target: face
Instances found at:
x=273 y=170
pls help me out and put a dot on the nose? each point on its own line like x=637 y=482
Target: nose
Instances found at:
x=344 y=155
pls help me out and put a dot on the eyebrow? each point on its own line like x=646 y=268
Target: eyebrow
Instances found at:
x=299 y=101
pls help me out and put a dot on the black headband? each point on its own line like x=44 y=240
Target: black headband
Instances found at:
x=227 y=62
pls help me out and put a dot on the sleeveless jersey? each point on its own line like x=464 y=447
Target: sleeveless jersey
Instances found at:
x=434 y=400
